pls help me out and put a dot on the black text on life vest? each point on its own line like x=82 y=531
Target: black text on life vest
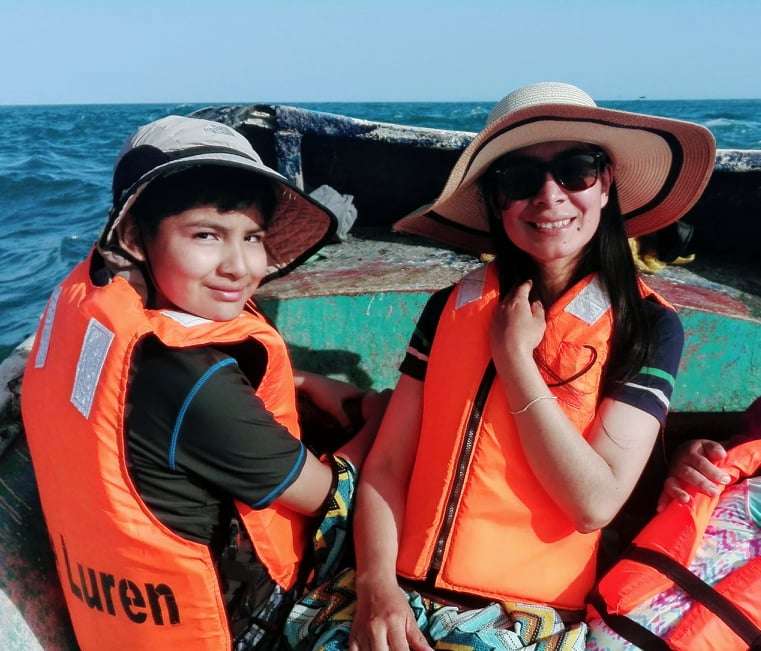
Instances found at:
x=104 y=592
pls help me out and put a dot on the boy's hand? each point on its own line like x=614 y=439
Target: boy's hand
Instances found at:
x=328 y=394
x=374 y=404
x=694 y=465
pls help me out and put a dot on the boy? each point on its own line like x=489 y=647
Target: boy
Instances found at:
x=159 y=403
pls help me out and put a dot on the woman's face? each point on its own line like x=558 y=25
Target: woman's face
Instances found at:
x=555 y=224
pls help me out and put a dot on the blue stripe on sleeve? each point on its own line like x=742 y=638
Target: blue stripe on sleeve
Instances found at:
x=275 y=492
x=186 y=404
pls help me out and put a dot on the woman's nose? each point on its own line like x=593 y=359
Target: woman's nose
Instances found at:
x=551 y=192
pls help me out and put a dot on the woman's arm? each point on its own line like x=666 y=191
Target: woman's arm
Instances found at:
x=383 y=618
x=589 y=479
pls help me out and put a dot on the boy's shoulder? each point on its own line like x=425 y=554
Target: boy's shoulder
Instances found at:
x=164 y=369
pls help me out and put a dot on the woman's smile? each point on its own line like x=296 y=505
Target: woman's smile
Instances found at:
x=553 y=227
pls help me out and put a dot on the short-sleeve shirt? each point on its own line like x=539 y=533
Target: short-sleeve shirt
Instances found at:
x=198 y=437
x=649 y=390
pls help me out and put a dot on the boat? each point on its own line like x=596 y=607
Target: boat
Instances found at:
x=376 y=282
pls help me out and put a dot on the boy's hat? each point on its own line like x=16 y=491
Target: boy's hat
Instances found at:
x=299 y=226
x=660 y=165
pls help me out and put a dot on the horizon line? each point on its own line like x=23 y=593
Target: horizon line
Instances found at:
x=642 y=98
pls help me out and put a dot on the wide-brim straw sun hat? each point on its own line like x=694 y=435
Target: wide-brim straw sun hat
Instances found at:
x=298 y=227
x=660 y=166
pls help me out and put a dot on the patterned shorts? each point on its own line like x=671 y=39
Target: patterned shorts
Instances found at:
x=322 y=621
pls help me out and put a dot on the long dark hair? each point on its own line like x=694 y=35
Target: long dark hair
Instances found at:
x=608 y=254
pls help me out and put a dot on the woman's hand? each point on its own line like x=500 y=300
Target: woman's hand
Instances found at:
x=383 y=619
x=694 y=465
x=517 y=327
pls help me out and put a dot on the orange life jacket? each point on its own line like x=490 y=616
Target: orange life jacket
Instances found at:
x=725 y=616
x=477 y=519
x=130 y=582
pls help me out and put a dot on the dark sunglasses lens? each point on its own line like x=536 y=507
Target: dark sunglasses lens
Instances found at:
x=520 y=180
x=577 y=172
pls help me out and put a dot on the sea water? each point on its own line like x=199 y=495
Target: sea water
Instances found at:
x=56 y=163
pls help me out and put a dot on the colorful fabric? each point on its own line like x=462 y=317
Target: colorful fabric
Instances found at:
x=731 y=539
x=322 y=621
x=329 y=549
x=332 y=539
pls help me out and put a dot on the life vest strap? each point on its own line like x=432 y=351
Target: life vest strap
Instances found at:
x=700 y=591
x=627 y=628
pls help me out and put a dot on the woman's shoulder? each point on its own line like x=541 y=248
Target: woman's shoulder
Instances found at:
x=664 y=321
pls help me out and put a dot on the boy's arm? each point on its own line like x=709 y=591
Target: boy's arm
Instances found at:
x=308 y=492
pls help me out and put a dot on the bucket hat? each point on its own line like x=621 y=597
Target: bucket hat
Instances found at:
x=298 y=226
x=660 y=166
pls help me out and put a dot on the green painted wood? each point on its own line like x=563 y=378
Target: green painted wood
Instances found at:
x=721 y=363
x=362 y=339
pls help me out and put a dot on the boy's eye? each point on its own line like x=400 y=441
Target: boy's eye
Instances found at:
x=204 y=235
x=255 y=237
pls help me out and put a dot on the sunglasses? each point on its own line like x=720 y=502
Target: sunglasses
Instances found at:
x=517 y=177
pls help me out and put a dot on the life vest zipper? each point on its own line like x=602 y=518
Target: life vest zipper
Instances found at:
x=463 y=461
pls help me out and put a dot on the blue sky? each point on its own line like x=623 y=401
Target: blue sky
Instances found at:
x=72 y=51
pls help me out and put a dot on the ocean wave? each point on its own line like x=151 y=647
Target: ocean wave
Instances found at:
x=721 y=122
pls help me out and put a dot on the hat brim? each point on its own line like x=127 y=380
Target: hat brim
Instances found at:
x=660 y=167
x=298 y=227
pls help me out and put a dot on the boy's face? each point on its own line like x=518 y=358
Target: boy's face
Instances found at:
x=208 y=263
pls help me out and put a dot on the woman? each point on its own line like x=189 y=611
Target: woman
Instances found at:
x=521 y=430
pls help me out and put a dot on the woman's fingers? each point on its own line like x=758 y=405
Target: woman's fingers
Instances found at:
x=520 y=294
x=695 y=466
x=416 y=638
x=397 y=638
x=378 y=636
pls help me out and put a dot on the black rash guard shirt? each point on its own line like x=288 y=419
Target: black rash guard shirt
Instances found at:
x=198 y=437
